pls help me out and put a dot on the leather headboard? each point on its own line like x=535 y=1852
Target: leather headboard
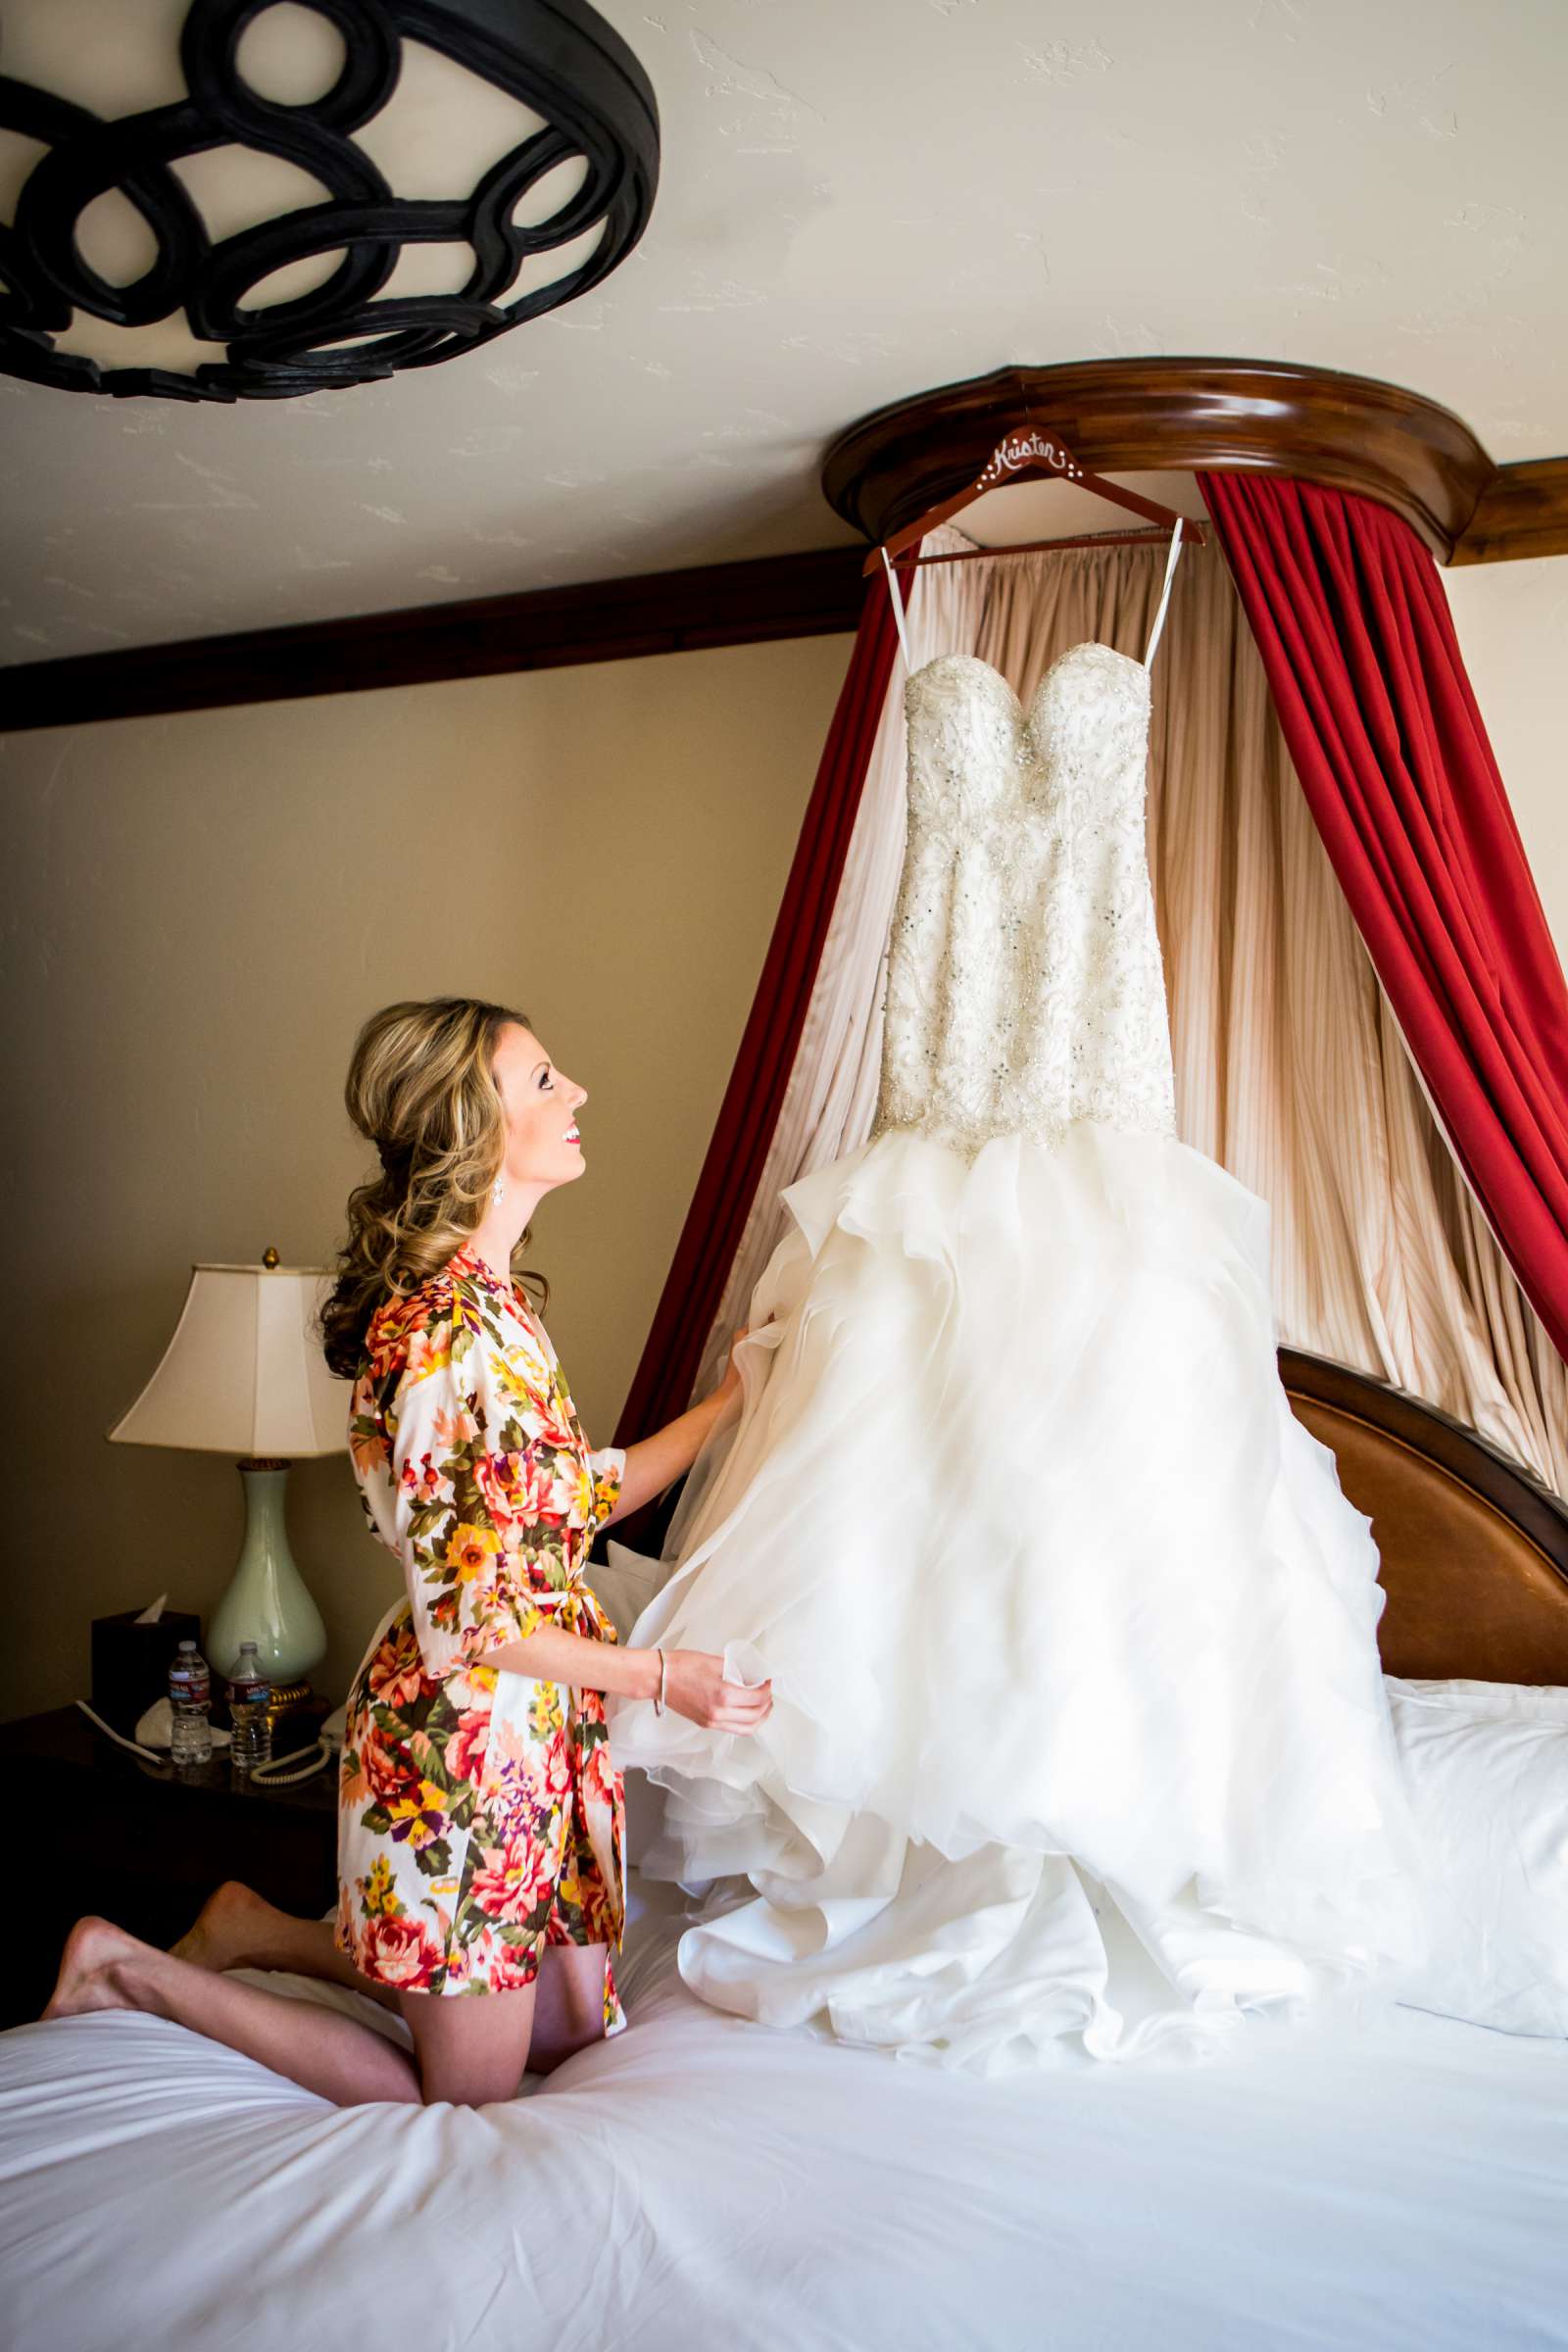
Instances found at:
x=1474 y=1549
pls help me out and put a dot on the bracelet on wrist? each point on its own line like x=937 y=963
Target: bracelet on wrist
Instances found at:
x=659 y=1699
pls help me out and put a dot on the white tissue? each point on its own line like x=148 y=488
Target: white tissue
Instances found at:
x=152 y=1612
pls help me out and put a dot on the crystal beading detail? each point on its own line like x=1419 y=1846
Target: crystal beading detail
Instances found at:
x=1025 y=986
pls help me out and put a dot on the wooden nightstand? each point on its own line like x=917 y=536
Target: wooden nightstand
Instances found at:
x=145 y=1846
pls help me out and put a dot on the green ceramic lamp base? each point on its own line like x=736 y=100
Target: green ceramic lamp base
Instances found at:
x=266 y=1600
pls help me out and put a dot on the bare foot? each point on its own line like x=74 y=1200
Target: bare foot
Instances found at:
x=223 y=1933
x=87 y=1976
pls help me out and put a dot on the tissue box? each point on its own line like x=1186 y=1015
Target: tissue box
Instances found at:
x=131 y=1662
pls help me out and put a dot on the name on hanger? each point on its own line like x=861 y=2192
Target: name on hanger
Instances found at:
x=1026 y=446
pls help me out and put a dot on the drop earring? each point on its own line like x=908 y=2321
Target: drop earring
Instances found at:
x=496 y=1191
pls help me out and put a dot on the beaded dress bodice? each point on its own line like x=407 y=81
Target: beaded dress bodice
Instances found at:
x=1025 y=987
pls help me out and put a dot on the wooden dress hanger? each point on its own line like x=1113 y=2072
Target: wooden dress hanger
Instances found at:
x=1023 y=449
x=1027 y=449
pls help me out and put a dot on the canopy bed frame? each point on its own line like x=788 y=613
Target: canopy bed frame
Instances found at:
x=1344 y=432
x=1475 y=1550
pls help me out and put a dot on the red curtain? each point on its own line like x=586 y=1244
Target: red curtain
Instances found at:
x=1358 y=644
x=732 y=1170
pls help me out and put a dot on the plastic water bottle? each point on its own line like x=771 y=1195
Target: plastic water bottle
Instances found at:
x=190 y=1694
x=250 y=1696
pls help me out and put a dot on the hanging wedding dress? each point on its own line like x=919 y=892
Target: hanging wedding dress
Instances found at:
x=1079 y=1745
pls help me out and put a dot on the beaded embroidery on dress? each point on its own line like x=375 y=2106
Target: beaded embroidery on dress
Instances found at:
x=1025 y=987
x=1080 y=1748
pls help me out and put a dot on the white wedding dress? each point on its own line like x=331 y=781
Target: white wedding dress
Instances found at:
x=1080 y=1746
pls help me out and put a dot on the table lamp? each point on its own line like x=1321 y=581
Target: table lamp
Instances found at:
x=243 y=1375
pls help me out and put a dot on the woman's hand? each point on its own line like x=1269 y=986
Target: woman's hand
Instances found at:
x=695 y=1687
x=655 y=1462
x=730 y=1388
x=720 y=1400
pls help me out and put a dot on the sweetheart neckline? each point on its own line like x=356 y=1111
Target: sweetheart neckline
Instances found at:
x=1024 y=709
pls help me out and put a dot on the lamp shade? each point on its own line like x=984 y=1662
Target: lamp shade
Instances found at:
x=243 y=1374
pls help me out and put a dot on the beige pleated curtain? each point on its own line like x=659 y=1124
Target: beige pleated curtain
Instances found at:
x=1290 y=1068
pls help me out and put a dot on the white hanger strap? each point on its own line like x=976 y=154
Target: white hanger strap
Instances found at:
x=1170 y=573
x=1159 y=617
x=898 y=613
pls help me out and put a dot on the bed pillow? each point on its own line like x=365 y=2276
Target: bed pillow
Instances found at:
x=1486 y=1768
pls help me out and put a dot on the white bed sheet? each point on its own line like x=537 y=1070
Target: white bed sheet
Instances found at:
x=701 y=2183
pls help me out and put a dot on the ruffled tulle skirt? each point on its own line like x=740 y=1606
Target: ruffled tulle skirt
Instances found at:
x=1080 y=1743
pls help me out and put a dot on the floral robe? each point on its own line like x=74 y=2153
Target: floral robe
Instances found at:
x=480 y=1815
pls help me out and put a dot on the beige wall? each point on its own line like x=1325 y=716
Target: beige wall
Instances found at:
x=1513 y=625
x=203 y=908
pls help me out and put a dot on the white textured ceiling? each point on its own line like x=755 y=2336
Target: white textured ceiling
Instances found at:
x=859 y=199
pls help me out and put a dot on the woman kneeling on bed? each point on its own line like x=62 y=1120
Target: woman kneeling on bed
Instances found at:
x=480 y=1816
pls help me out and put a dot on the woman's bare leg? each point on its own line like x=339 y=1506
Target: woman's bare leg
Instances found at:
x=353 y=2065
x=237 y=1927
x=471 y=2050
x=570 y=2012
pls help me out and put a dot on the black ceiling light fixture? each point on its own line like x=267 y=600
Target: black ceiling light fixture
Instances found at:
x=323 y=191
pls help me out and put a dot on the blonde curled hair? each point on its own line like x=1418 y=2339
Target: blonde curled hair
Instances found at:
x=421 y=1087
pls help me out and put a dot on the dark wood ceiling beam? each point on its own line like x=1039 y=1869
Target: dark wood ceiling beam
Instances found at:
x=602 y=620
x=1523 y=511
x=1348 y=432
